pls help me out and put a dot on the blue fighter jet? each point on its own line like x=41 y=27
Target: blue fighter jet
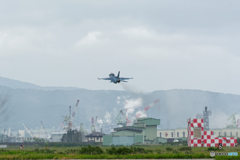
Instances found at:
x=115 y=79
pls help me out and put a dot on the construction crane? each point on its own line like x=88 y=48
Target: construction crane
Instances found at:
x=144 y=110
x=67 y=118
x=238 y=122
x=147 y=108
x=62 y=125
x=73 y=116
x=121 y=118
x=40 y=131
x=233 y=123
x=44 y=129
x=27 y=130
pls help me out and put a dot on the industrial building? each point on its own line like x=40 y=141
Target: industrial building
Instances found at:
x=227 y=132
x=95 y=137
x=231 y=129
x=182 y=132
x=165 y=135
x=172 y=133
x=56 y=136
x=144 y=130
x=169 y=135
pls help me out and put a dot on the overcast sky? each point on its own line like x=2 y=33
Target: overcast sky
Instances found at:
x=171 y=44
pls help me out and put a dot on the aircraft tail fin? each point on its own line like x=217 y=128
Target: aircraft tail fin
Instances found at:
x=118 y=74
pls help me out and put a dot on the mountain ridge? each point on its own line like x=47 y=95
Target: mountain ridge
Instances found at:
x=17 y=84
x=31 y=106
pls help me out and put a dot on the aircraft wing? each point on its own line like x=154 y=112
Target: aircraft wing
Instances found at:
x=104 y=79
x=122 y=79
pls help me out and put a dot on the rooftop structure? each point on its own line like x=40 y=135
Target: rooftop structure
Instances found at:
x=144 y=130
x=95 y=137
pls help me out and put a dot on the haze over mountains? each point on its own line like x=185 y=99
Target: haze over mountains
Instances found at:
x=15 y=84
x=30 y=104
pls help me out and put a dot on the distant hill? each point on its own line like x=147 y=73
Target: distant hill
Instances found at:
x=15 y=84
x=30 y=104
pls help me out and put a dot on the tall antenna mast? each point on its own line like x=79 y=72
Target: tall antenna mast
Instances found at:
x=206 y=115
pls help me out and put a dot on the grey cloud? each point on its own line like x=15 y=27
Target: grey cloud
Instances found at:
x=169 y=44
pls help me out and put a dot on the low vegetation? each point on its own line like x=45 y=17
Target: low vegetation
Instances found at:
x=113 y=152
x=214 y=149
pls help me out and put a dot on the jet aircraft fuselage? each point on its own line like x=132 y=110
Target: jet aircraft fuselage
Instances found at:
x=115 y=79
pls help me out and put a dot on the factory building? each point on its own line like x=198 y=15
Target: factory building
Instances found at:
x=143 y=131
x=95 y=137
x=56 y=136
x=227 y=132
x=181 y=133
x=172 y=133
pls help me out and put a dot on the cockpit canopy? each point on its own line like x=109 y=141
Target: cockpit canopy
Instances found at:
x=111 y=74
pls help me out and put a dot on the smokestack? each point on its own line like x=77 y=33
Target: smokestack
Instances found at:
x=206 y=108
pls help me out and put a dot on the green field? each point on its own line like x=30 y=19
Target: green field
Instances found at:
x=120 y=152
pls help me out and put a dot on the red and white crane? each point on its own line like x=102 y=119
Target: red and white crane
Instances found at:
x=143 y=111
x=68 y=119
x=73 y=115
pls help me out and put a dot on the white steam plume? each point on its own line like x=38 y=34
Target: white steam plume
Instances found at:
x=118 y=100
x=131 y=105
x=219 y=119
x=107 y=117
x=100 y=122
x=142 y=114
x=131 y=89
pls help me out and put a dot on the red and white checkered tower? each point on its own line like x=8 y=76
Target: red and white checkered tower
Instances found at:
x=198 y=137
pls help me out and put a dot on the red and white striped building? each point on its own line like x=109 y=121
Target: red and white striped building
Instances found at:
x=197 y=137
